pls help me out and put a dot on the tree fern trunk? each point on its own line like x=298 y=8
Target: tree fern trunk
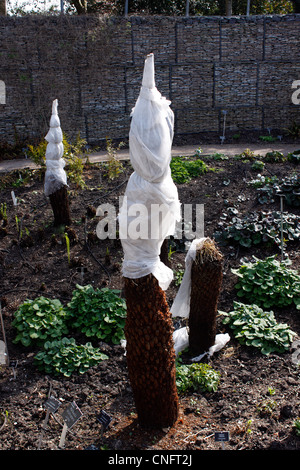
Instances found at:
x=150 y=352
x=60 y=206
x=206 y=281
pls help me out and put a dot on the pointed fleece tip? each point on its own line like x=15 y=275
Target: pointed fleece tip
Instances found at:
x=54 y=106
x=148 y=75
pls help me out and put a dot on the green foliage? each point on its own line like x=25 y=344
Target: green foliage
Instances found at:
x=294 y=130
x=294 y=157
x=269 y=187
x=65 y=357
x=198 y=377
x=73 y=153
x=68 y=247
x=258 y=165
x=178 y=275
x=183 y=170
x=37 y=153
x=267 y=138
x=297 y=427
x=247 y=155
x=254 y=327
x=114 y=165
x=98 y=313
x=257 y=227
x=267 y=407
x=274 y=157
x=268 y=283
x=39 y=320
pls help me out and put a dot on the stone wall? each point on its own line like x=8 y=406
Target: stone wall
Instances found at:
x=93 y=66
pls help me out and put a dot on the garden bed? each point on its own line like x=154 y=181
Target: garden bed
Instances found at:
x=258 y=396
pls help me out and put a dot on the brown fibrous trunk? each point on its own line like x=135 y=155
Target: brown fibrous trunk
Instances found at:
x=206 y=282
x=60 y=206
x=150 y=353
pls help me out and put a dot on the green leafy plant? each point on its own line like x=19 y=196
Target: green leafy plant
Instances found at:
x=67 y=239
x=98 y=313
x=297 y=427
x=114 y=165
x=258 y=165
x=39 y=320
x=197 y=377
x=294 y=157
x=274 y=157
x=183 y=169
x=73 y=156
x=268 y=282
x=267 y=407
x=257 y=227
x=178 y=275
x=294 y=130
x=269 y=187
x=247 y=155
x=3 y=213
x=65 y=357
x=37 y=153
x=254 y=327
x=267 y=138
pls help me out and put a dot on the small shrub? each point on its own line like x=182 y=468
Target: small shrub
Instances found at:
x=254 y=327
x=65 y=357
x=39 y=320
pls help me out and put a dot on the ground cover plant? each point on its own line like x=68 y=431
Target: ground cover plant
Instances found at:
x=48 y=267
x=65 y=357
x=39 y=320
x=258 y=328
x=257 y=227
x=268 y=283
x=98 y=313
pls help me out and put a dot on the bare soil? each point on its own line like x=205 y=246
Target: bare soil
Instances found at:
x=38 y=265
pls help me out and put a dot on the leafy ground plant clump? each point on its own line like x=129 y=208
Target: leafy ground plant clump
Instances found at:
x=254 y=327
x=198 y=376
x=98 y=313
x=39 y=320
x=183 y=169
x=257 y=227
x=65 y=357
x=269 y=282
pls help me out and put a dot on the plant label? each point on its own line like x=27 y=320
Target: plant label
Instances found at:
x=3 y=355
x=14 y=199
x=222 y=436
x=52 y=404
x=13 y=364
x=71 y=414
x=104 y=419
